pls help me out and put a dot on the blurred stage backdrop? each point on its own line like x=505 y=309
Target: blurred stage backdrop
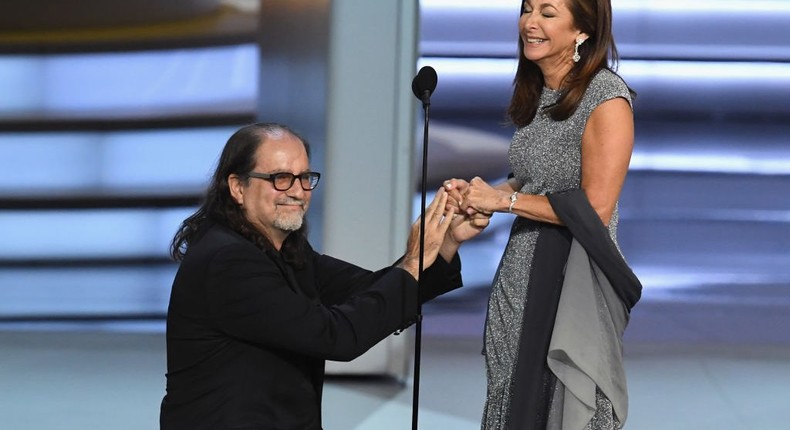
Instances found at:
x=107 y=138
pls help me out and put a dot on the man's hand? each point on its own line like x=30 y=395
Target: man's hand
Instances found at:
x=437 y=223
x=464 y=227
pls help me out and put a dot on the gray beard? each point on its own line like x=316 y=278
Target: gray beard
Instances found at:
x=289 y=222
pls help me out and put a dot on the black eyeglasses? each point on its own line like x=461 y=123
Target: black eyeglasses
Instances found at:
x=283 y=181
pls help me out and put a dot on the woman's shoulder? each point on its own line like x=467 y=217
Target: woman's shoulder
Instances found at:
x=607 y=76
x=606 y=85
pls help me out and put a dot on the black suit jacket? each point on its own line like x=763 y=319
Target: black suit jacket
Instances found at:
x=247 y=335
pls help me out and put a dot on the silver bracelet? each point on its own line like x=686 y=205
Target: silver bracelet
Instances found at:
x=513 y=198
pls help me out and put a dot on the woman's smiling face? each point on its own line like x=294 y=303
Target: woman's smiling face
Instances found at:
x=548 y=32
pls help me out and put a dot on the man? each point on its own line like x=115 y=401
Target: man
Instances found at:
x=254 y=311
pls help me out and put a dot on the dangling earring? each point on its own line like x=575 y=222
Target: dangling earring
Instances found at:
x=576 y=56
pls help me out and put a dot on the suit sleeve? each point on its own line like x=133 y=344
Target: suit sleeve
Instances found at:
x=440 y=278
x=250 y=299
x=339 y=280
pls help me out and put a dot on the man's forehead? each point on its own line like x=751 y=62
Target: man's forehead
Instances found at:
x=283 y=142
x=285 y=149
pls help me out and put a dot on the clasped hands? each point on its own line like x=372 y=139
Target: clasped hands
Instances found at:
x=476 y=198
x=446 y=227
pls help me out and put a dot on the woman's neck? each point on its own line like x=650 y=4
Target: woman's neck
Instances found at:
x=554 y=76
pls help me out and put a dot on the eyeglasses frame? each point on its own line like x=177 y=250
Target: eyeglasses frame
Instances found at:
x=271 y=177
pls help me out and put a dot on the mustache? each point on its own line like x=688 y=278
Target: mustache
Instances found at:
x=290 y=201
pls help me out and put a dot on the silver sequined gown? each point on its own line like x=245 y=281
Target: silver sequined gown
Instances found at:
x=545 y=156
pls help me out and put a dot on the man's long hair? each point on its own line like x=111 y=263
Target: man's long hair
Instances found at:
x=238 y=157
x=593 y=17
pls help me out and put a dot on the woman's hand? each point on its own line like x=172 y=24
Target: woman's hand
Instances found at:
x=456 y=188
x=483 y=198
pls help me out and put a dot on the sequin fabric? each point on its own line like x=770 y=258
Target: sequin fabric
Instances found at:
x=545 y=156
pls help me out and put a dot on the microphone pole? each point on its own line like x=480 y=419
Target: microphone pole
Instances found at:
x=422 y=86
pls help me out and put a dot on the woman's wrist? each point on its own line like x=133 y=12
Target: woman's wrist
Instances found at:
x=512 y=201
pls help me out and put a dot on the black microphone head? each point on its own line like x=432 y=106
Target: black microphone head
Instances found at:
x=425 y=80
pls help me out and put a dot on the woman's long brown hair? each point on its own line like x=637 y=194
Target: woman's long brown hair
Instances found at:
x=593 y=17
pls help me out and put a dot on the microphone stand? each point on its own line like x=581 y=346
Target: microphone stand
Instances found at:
x=422 y=86
x=426 y=104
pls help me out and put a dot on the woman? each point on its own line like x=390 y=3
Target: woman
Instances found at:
x=554 y=328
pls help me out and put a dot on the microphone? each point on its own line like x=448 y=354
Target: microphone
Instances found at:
x=424 y=83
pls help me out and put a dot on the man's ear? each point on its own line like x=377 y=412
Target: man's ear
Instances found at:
x=236 y=186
